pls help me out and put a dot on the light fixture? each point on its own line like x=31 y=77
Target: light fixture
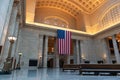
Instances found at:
x=19 y=65
x=20 y=54
x=12 y=39
x=40 y=56
x=82 y=57
x=118 y=40
x=104 y=56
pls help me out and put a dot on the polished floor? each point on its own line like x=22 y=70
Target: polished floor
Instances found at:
x=52 y=74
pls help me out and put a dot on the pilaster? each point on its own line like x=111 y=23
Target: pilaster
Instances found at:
x=40 y=52
x=116 y=51
x=77 y=52
x=45 y=52
x=56 y=56
x=107 y=51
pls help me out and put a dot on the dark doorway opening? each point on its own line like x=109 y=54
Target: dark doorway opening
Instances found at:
x=71 y=61
x=0 y=49
x=61 y=63
x=33 y=62
x=50 y=63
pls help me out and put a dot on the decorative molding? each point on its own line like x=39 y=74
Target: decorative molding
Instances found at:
x=108 y=32
x=72 y=6
x=52 y=32
x=16 y=1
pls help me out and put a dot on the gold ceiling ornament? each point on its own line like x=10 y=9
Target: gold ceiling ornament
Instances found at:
x=73 y=7
x=89 y=6
x=63 y=5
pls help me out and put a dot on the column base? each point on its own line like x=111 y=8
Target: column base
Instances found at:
x=7 y=65
x=18 y=66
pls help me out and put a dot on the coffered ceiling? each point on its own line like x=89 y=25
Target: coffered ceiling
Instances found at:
x=72 y=6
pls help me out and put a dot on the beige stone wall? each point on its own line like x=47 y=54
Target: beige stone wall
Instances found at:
x=30 y=10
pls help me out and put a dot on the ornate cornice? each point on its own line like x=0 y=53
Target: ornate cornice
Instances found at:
x=102 y=34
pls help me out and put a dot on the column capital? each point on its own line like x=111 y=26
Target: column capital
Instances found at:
x=16 y=1
x=46 y=35
x=40 y=35
x=114 y=35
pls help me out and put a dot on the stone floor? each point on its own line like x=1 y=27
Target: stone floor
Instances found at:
x=52 y=74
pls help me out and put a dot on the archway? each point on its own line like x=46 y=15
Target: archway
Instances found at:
x=50 y=63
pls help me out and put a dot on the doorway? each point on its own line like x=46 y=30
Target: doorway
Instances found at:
x=61 y=62
x=50 y=63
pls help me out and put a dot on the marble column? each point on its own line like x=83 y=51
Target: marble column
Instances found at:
x=107 y=50
x=83 y=53
x=74 y=50
x=56 y=56
x=5 y=12
x=77 y=52
x=40 y=51
x=45 y=52
x=14 y=51
x=116 y=51
x=80 y=56
x=11 y=31
x=68 y=59
x=57 y=60
x=15 y=33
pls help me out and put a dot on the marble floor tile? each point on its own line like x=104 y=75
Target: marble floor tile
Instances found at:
x=52 y=74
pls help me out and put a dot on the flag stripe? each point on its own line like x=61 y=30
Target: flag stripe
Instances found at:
x=67 y=42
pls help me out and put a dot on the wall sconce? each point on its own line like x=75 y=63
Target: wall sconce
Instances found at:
x=83 y=57
x=12 y=39
x=18 y=65
x=40 y=61
x=40 y=56
x=52 y=49
x=118 y=40
x=20 y=54
x=104 y=56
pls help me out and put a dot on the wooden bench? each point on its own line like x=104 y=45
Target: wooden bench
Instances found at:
x=71 y=67
x=97 y=68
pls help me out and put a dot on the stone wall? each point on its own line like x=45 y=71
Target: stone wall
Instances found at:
x=30 y=44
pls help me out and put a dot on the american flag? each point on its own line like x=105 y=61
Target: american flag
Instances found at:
x=64 y=41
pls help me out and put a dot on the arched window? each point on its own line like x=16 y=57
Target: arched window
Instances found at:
x=56 y=21
x=111 y=17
